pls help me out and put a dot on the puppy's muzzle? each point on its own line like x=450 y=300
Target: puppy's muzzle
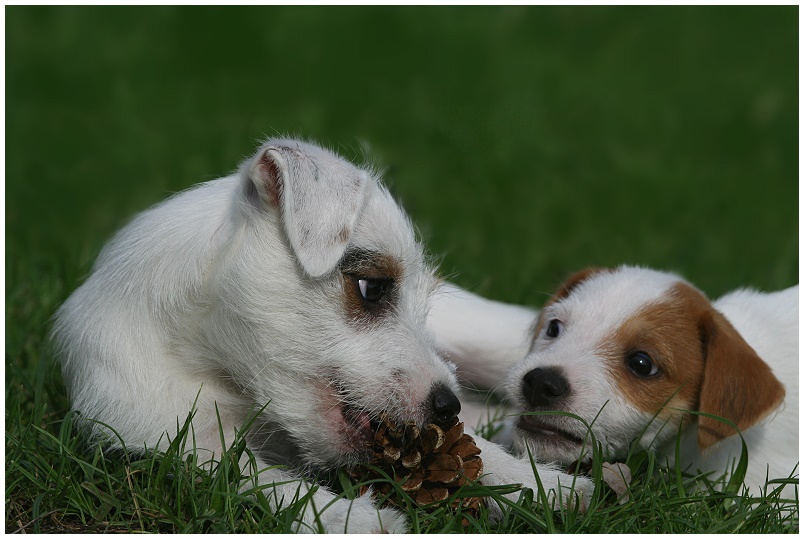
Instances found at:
x=545 y=387
x=445 y=406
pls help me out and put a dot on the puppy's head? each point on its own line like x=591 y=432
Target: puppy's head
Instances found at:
x=320 y=305
x=632 y=351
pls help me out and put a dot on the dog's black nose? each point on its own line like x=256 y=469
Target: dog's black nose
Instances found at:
x=446 y=406
x=544 y=387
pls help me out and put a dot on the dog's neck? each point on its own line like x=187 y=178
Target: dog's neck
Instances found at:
x=273 y=445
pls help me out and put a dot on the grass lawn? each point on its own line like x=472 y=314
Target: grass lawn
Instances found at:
x=526 y=143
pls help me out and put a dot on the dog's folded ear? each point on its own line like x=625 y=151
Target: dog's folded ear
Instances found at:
x=737 y=384
x=317 y=194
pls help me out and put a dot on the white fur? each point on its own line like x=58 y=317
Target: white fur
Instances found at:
x=594 y=310
x=486 y=338
x=228 y=297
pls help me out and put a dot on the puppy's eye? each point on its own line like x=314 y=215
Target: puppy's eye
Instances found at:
x=553 y=328
x=642 y=365
x=373 y=290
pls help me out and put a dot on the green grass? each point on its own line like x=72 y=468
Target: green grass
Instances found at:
x=88 y=490
x=526 y=143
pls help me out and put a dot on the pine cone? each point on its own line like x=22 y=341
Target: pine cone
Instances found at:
x=429 y=464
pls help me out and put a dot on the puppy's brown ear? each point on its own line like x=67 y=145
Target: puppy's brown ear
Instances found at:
x=318 y=196
x=737 y=385
x=573 y=281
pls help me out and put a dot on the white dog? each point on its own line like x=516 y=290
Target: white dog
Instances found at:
x=633 y=352
x=295 y=287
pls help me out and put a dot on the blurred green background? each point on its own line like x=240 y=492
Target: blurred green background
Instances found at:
x=526 y=142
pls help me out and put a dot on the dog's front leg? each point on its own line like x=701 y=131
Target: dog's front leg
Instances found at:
x=503 y=468
x=322 y=510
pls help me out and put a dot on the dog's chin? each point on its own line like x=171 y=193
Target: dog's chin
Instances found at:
x=549 y=441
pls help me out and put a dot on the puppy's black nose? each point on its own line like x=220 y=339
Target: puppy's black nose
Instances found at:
x=544 y=387
x=446 y=406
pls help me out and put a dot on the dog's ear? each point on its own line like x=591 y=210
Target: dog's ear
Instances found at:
x=318 y=195
x=737 y=385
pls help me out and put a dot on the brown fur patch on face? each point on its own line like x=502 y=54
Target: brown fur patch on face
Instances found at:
x=378 y=269
x=669 y=332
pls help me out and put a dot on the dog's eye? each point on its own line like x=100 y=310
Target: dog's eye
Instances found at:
x=372 y=290
x=642 y=365
x=553 y=328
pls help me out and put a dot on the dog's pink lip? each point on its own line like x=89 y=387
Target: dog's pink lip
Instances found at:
x=358 y=419
x=359 y=422
x=350 y=420
x=538 y=427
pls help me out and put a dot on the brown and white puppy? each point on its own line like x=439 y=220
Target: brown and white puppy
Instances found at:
x=634 y=352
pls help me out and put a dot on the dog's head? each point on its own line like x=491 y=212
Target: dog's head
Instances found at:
x=319 y=305
x=632 y=351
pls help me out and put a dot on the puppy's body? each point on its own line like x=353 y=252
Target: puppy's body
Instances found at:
x=294 y=290
x=633 y=351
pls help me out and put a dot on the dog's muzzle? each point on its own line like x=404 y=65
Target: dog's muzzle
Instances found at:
x=445 y=406
x=545 y=387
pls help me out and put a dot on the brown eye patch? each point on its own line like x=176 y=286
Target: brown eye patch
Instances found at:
x=370 y=281
x=667 y=332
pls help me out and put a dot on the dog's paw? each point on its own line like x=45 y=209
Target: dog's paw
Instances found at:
x=361 y=516
x=560 y=489
x=392 y=521
x=574 y=491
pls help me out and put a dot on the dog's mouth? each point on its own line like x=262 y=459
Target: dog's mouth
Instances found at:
x=537 y=427
x=354 y=423
x=359 y=420
x=357 y=425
